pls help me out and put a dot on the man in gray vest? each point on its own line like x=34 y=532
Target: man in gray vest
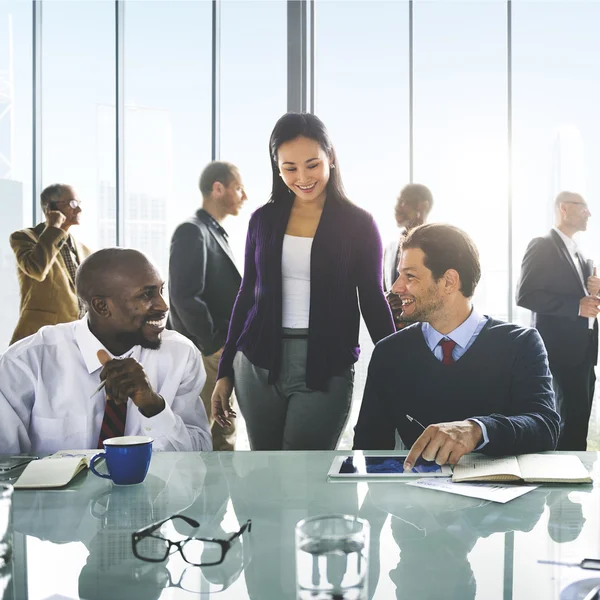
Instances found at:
x=204 y=280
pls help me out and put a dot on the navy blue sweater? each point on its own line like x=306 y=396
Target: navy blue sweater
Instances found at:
x=503 y=380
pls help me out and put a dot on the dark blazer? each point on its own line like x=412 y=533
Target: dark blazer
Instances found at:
x=203 y=283
x=48 y=293
x=390 y=265
x=551 y=288
x=345 y=270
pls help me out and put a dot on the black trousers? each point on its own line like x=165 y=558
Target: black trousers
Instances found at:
x=574 y=389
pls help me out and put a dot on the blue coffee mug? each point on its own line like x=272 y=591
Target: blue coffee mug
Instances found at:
x=127 y=459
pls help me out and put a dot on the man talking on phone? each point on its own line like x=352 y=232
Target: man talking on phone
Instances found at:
x=47 y=259
x=455 y=381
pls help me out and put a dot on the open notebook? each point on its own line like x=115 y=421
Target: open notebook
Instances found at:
x=56 y=470
x=532 y=468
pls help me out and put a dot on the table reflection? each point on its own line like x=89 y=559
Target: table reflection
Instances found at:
x=427 y=541
x=436 y=534
x=102 y=517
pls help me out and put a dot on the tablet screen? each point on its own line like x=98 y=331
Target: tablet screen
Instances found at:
x=386 y=464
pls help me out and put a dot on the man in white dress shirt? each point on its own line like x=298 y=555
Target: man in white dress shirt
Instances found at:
x=48 y=382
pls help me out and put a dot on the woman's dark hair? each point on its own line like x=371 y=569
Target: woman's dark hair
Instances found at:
x=291 y=126
x=447 y=247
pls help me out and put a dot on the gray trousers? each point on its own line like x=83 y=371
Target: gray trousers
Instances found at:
x=288 y=415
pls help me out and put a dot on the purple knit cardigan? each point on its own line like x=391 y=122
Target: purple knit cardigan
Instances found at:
x=345 y=269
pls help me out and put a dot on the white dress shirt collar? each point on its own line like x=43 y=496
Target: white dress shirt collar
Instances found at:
x=570 y=243
x=89 y=345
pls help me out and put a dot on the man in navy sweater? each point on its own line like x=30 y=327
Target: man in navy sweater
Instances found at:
x=455 y=381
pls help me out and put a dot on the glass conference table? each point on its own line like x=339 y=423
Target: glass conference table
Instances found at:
x=76 y=542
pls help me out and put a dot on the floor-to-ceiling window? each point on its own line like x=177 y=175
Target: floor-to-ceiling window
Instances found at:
x=556 y=125
x=371 y=60
x=15 y=148
x=253 y=95
x=460 y=129
x=362 y=95
x=167 y=118
x=78 y=83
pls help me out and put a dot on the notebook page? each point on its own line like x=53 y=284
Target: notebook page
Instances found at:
x=477 y=466
x=87 y=455
x=553 y=467
x=50 y=473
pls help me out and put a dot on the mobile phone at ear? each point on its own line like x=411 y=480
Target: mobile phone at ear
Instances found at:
x=53 y=205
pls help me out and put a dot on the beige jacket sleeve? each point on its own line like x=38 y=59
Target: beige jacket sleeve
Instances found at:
x=35 y=257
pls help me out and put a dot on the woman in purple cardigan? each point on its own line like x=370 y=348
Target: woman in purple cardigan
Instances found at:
x=311 y=257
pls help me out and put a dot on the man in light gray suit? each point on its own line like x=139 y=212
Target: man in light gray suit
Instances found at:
x=204 y=280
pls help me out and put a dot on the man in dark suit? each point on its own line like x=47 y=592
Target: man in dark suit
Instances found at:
x=47 y=259
x=204 y=280
x=561 y=289
x=412 y=209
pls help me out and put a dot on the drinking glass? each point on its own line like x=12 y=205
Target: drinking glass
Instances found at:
x=332 y=558
x=6 y=530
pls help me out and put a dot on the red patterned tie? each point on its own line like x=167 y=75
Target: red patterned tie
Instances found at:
x=447 y=347
x=113 y=423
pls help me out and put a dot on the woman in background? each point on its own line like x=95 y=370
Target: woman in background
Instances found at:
x=311 y=256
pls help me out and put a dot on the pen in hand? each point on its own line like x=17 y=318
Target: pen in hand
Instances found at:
x=102 y=384
x=413 y=420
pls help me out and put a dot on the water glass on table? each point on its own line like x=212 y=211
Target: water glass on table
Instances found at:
x=6 y=530
x=332 y=558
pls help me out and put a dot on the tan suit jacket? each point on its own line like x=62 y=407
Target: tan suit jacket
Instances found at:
x=47 y=292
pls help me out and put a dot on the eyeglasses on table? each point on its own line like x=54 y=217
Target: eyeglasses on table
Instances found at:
x=150 y=546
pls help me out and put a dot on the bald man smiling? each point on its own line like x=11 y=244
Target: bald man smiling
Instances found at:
x=50 y=393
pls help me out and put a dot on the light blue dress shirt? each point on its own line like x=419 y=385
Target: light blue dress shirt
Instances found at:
x=464 y=336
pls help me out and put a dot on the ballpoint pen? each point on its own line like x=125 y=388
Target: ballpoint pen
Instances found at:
x=586 y=563
x=102 y=384
x=413 y=420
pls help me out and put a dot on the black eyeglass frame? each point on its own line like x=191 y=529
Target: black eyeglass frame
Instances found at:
x=147 y=531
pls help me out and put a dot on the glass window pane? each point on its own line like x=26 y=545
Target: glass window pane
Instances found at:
x=362 y=96
x=15 y=148
x=556 y=95
x=460 y=130
x=167 y=119
x=78 y=90
x=253 y=96
x=555 y=115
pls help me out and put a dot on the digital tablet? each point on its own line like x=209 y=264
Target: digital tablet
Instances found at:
x=10 y=463
x=376 y=466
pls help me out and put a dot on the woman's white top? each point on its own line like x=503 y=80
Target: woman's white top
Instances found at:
x=295 y=269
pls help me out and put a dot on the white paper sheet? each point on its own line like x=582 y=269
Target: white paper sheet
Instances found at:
x=486 y=491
